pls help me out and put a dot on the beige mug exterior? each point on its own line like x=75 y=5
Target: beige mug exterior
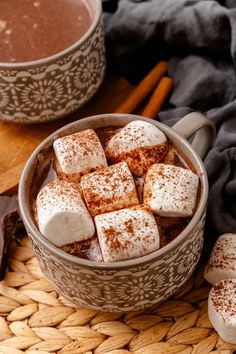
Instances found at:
x=137 y=283
x=53 y=87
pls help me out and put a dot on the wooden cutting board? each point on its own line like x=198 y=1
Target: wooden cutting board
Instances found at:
x=17 y=141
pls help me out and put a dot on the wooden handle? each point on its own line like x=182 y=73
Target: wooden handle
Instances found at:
x=158 y=97
x=143 y=88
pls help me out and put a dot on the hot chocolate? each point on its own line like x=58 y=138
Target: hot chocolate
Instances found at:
x=157 y=189
x=35 y=29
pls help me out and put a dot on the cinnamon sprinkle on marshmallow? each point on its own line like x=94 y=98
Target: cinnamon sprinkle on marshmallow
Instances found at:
x=140 y=144
x=110 y=189
x=127 y=233
x=222 y=309
x=78 y=154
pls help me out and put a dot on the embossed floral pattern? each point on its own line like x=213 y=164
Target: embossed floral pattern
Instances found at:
x=141 y=288
x=129 y=289
x=4 y=99
x=48 y=92
x=86 y=73
x=42 y=94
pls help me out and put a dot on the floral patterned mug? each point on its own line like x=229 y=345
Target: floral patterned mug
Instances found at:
x=137 y=283
x=51 y=88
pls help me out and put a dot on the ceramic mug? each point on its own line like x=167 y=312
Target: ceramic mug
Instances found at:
x=137 y=283
x=53 y=87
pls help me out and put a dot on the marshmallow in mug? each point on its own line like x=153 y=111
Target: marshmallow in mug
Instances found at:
x=140 y=144
x=171 y=191
x=222 y=309
x=94 y=253
x=78 y=154
x=127 y=233
x=222 y=262
x=62 y=215
x=110 y=189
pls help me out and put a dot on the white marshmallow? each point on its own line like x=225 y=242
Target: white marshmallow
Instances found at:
x=94 y=251
x=170 y=190
x=222 y=309
x=173 y=157
x=140 y=144
x=78 y=154
x=222 y=262
x=110 y=189
x=62 y=215
x=127 y=233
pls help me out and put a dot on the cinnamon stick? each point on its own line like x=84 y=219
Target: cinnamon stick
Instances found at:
x=143 y=88
x=158 y=97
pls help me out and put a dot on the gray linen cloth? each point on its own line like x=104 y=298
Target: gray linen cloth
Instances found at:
x=198 y=37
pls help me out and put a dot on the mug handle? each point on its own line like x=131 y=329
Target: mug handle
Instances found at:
x=201 y=127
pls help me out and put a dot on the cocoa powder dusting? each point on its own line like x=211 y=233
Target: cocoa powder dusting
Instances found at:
x=112 y=236
x=223 y=298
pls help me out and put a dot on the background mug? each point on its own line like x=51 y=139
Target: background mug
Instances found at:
x=53 y=87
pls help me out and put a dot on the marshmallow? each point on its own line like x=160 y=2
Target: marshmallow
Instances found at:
x=62 y=215
x=170 y=190
x=110 y=189
x=78 y=154
x=173 y=157
x=94 y=251
x=222 y=262
x=222 y=309
x=127 y=233
x=140 y=144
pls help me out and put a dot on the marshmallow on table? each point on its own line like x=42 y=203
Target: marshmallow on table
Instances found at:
x=222 y=309
x=127 y=233
x=110 y=189
x=62 y=215
x=170 y=190
x=222 y=262
x=140 y=144
x=78 y=154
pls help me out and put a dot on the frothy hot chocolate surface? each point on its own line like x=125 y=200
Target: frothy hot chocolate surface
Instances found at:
x=35 y=29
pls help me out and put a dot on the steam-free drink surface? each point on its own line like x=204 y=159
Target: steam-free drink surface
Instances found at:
x=35 y=29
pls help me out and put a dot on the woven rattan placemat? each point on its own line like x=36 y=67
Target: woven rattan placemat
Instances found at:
x=35 y=320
